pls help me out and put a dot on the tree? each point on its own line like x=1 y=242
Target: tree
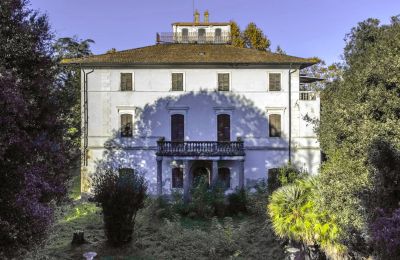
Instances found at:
x=237 y=39
x=279 y=50
x=362 y=104
x=251 y=37
x=69 y=94
x=120 y=197
x=32 y=153
x=255 y=39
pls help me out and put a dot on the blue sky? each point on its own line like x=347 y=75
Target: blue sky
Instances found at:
x=304 y=28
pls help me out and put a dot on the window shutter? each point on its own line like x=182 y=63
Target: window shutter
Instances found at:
x=275 y=125
x=223 y=82
x=126 y=81
x=177 y=81
x=177 y=128
x=224 y=128
x=274 y=81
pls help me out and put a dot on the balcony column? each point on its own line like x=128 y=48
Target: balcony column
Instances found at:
x=241 y=174
x=159 y=176
x=186 y=181
x=214 y=175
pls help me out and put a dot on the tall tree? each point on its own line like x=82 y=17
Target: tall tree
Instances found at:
x=251 y=37
x=69 y=90
x=237 y=39
x=255 y=38
x=32 y=157
x=362 y=105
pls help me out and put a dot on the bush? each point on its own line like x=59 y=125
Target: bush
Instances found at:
x=295 y=216
x=237 y=202
x=257 y=201
x=386 y=235
x=283 y=176
x=120 y=198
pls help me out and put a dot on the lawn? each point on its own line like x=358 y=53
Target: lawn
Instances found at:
x=244 y=237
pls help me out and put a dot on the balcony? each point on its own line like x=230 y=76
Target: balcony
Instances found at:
x=202 y=38
x=308 y=95
x=200 y=148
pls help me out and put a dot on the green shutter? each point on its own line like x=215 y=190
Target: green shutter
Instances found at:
x=126 y=82
x=274 y=81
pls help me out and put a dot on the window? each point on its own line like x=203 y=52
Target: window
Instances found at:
x=224 y=127
x=274 y=82
x=177 y=82
x=218 y=33
x=126 y=125
x=126 y=81
x=185 y=35
x=177 y=128
x=202 y=35
x=177 y=178
x=223 y=81
x=224 y=177
x=125 y=171
x=275 y=125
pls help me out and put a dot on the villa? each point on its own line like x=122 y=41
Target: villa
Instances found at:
x=194 y=105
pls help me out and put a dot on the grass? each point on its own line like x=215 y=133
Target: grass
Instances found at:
x=244 y=237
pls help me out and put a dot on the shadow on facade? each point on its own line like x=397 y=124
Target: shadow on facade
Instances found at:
x=248 y=121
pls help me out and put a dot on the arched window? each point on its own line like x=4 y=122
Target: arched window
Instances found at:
x=224 y=177
x=177 y=128
x=224 y=127
x=126 y=125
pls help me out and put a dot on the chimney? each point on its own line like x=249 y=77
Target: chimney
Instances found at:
x=206 y=16
x=196 y=17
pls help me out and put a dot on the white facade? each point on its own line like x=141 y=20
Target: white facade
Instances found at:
x=151 y=102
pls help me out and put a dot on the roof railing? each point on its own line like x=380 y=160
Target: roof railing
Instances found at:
x=193 y=37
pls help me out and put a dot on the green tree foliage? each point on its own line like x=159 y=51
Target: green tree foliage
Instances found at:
x=279 y=50
x=356 y=108
x=254 y=38
x=251 y=37
x=69 y=95
x=295 y=215
x=237 y=39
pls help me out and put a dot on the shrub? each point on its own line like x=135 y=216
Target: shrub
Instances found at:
x=257 y=201
x=120 y=198
x=386 y=235
x=295 y=216
x=283 y=176
x=237 y=202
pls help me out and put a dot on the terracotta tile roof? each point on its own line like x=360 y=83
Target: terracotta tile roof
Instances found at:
x=190 y=54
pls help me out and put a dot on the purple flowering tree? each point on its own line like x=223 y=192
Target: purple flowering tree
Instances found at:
x=32 y=149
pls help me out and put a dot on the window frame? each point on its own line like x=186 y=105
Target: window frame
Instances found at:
x=120 y=125
x=132 y=79
x=269 y=81
x=183 y=81
x=277 y=110
x=230 y=126
x=269 y=125
x=173 y=179
x=228 y=186
x=184 y=126
x=229 y=81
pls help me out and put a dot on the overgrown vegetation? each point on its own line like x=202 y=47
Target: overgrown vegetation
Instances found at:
x=357 y=108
